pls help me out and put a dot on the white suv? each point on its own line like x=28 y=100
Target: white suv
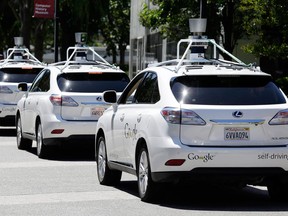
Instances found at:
x=196 y=117
x=19 y=66
x=65 y=101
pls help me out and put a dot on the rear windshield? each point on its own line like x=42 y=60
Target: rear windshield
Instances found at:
x=94 y=82
x=18 y=74
x=226 y=90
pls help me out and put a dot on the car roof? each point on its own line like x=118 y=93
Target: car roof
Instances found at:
x=208 y=70
x=90 y=69
x=81 y=58
x=20 y=57
x=197 y=63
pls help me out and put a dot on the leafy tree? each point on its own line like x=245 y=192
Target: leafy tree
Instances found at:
x=115 y=28
x=268 y=20
x=75 y=16
x=16 y=19
x=94 y=16
x=91 y=16
x=9 y=26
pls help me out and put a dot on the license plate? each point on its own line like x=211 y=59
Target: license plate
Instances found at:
x=237 y=133
x=97 y=111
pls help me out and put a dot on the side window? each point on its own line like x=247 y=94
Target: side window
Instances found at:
x=42 y=82
x=148 y=92
x=128 y=94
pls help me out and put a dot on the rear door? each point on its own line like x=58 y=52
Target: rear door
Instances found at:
x=82 y=93
x=10 y=78
x=37 y=92
x=237 y=111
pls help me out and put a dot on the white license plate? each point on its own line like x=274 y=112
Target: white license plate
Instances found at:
x=97 y=111
x=237 y=133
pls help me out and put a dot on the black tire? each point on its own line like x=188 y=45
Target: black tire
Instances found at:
x=22 y=143
x=278 y=190
x=106 y=176
x=147 y=188
x=42 y=150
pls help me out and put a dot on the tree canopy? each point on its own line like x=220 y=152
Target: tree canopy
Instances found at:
x=268 y=19
x=228 y=21
x=96 y=17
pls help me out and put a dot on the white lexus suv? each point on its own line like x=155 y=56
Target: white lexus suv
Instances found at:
x=65 y=101
x=196 y=117
x=18 y=66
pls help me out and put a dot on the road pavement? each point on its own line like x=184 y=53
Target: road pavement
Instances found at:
x=67 y=184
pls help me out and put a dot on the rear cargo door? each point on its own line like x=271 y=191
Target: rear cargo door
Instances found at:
x=82 y=107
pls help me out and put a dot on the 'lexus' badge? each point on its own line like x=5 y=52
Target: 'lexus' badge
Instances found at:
x=237 y=114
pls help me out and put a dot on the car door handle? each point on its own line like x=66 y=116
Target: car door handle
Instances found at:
x=122 y=117
x=139 y=117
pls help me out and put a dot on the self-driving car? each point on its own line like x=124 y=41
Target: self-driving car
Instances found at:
x=18 y=66
x=64 y=102
x=196 y=118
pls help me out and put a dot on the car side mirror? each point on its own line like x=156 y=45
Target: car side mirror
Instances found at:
x=22 y=86
x=110 y=96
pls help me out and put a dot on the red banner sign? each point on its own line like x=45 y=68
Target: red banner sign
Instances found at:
x=44 y=9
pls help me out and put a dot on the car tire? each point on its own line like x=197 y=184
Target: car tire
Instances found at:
x=42 y=151
x=106 y=176
x=147 y=188
x=278 y=190
x=22 y=143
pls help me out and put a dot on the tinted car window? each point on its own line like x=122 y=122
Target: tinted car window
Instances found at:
x=42 y=82
x=18 y=74
x=127 y=97
x=226 y=90
x=92 y=82
x=148 y=91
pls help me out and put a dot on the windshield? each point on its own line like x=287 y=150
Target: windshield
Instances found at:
x=92 y=82
x=226 y=90
x=18 y=74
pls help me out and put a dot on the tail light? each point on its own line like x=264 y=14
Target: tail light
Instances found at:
x=281 y=118
x=58 y=100
x=5 y=90
x=181 y=116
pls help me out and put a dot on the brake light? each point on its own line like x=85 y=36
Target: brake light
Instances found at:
x=95 y=72
x=281 y=118
x=191 y=118
x=175 y=162
x=5 y=90
x=183 y=116
x=171 y=115
x=68 y=101
x=57 y=131
x=58 y=100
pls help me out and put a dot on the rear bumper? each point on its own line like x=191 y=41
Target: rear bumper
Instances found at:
x=79 y=140
x=7 y=114
x=7 y=121
x=74 y=132
x=248 y=164
x=252 y=175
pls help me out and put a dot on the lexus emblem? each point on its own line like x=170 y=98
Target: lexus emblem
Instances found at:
x=99 y=98
x=237 y=114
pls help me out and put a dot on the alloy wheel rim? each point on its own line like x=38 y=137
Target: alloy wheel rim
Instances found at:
x=39 y=139
x=101 y=160
x=18 y=131
x=143 y=173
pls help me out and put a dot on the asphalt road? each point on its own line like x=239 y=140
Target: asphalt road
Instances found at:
x=67 y=184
